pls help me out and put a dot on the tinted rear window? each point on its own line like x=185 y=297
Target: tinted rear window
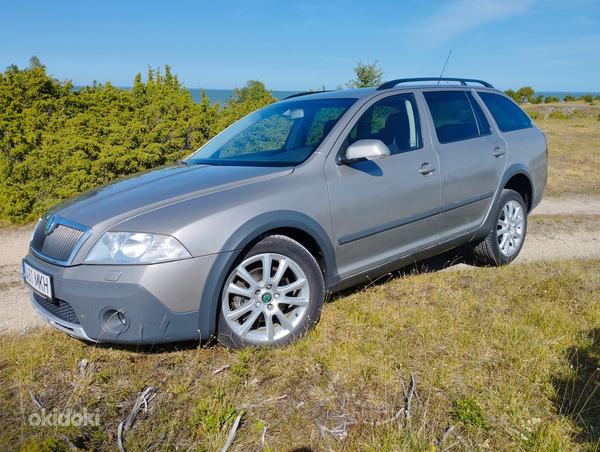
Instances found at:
x=453 y=116
x=482 y=122
x=506 y=113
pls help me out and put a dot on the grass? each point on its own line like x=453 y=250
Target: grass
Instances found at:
x=573 y=145
x=502 y=359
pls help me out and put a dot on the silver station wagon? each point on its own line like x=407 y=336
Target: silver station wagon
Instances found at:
x=243 y=239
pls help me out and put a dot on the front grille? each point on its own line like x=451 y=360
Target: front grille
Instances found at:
x=58 y=308
x=58 y=244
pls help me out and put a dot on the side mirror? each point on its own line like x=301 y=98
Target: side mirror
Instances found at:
x=366 y=150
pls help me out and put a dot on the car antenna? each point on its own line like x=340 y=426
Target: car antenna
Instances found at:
x=444 y=68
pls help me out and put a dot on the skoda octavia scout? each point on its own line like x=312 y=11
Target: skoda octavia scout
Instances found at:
x=243 y=239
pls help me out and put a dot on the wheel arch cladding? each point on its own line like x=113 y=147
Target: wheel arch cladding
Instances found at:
x=517 y=178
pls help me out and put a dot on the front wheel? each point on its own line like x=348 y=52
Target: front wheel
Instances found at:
x=505 y=240
x=273 y=296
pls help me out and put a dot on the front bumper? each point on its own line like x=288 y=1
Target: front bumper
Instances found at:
x=141 y=304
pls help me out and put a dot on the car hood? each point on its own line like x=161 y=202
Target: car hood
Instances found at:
x=128 y=197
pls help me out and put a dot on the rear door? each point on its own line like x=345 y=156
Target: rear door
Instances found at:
x=385 y=209
x=472 y=159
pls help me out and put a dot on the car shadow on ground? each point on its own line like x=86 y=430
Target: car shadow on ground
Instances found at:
x=462 y=255
x=578 y=393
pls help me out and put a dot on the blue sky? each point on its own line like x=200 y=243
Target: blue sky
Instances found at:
x=551 y=45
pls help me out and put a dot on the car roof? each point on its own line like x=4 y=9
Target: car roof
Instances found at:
x=347 y=93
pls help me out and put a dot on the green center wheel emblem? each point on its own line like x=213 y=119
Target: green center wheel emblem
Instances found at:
x=267 y=298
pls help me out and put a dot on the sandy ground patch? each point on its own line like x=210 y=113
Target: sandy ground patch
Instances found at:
x=559 y=228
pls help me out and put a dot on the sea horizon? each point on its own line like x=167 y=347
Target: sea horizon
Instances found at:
x=222 y=95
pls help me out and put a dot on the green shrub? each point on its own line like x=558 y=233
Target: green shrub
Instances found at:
x=56 y=142
x=535 y=115
x=47 y=445
x=558 y=115
x=469 y=412
x=549 y=100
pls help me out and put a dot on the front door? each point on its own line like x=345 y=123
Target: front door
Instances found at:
x=385 y=209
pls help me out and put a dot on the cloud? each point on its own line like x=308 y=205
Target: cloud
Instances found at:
x=462 y=16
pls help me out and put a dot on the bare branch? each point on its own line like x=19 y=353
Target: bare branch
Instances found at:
x=146 y=396
x=34 y=399
x=232 y=433
x=221 y=369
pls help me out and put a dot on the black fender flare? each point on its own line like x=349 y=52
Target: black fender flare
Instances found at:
x=237 y=243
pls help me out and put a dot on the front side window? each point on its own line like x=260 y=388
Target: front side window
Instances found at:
x=394 y=121
x=456 y=116
x=506 y=113
x=282 y=134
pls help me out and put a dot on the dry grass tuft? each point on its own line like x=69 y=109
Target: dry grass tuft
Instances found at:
x=573 y=145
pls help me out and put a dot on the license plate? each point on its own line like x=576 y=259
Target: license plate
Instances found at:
x=38 y=281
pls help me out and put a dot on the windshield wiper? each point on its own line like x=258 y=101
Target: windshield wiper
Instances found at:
x=206 y=162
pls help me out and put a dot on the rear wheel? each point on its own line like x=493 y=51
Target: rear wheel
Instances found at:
x=504 y=242
x=273 y=296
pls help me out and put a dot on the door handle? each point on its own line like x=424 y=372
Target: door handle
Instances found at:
x=499 y=152
x=426 y=169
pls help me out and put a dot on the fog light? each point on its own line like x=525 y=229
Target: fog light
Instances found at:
x=122 y=317
x=114 y=321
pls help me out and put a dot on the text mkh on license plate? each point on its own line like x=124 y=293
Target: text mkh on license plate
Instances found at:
x=37 y=280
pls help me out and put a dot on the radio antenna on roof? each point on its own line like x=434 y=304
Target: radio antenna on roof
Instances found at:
x=444 y=68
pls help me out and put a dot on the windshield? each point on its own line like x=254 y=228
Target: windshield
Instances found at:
x=281 y=134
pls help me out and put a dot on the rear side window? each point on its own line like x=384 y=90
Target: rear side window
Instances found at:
x=482 y=122
x=506 y=113
x=456 y=116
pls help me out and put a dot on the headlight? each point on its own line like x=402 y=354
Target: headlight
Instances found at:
x=135 y=248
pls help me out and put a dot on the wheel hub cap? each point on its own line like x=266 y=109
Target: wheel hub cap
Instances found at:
x=510 y=228
x=266 y=297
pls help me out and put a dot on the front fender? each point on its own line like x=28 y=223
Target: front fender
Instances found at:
x=239 y=241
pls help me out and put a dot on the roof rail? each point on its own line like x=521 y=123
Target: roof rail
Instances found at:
x=463 y=81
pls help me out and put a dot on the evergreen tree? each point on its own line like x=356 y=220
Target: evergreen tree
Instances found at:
x=525 y=94
x=244 y=101
x=56 y=142
x=29 y=102
x=367 y=75
x=514 y=96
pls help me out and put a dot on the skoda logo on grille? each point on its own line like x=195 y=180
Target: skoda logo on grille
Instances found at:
x=50 y=225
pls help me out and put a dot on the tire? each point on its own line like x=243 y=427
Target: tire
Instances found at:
x=505 y=240
x=274 y=310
